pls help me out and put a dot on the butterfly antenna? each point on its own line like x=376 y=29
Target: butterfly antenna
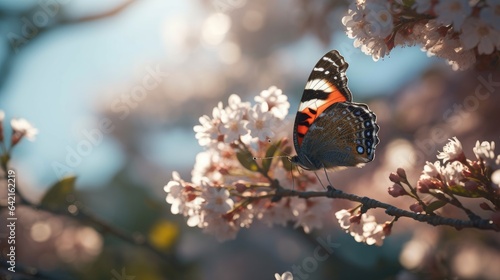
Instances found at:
x=256 y=158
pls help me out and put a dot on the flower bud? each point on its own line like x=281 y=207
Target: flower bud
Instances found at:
x=240 y=187
x=485 y=206
x=394 y=178
x=416 y=207
x=401 y=172
x=424 y=185
x=387 y=228
x=396 y=190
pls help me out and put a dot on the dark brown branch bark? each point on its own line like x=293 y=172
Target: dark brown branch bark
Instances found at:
x=369 y=203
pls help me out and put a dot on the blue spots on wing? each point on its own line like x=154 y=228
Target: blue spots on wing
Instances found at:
x=360 y=150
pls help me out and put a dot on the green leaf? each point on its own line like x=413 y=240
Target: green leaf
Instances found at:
x=55 y=198
x=461 y=191
x=270 y=153
x=246 y=159
x=435 y=205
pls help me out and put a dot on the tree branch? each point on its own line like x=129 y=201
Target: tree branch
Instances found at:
x=369 y=203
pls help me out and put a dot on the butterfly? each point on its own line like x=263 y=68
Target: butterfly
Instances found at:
x=330 y=130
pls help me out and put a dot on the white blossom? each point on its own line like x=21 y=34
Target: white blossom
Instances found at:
x=184 y=200
x=369 y=24
x=374 y=234
x=314 y=215
x=422 y=6
x=217 y=200
x=215 y=224
x=452 y=50
x=476 y=32
x=245 y=217
x=25 y=128
x=194 y=213
x=452 y=12
x=378 y=20
x=208 y=132
x=357 y=230
x=485 y=151
x=278 y=213
x=343 y=216
x=175 y=197
x=234 y=103
x=207 y=165
x=453 y=173
x=451 y=151
x=261 y=123
x=234 y=126
x=377 y=48
x=431 y=170
x=277 y=102
x=491 y=13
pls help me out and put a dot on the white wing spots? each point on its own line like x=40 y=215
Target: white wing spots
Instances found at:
x=327 y=72
x=319 y=84
x=330 y=60
x=320 y=69
x=313 y=104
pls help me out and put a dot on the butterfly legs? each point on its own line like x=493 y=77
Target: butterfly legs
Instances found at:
x=327 y=178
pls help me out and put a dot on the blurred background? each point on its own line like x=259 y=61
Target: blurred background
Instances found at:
x=132 y=78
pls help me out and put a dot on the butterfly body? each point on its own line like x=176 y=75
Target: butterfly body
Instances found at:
x=330 y=130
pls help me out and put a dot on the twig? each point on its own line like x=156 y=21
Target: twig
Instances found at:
x=368 y=203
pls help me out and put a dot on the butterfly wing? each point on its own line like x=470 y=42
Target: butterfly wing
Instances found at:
x=326 y=85
x=345 y=134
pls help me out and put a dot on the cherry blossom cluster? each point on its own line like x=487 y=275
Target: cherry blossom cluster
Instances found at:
x=363 y=227
x=232 y=182
x=458 y=30
x=21 y=128
x=453 y=176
